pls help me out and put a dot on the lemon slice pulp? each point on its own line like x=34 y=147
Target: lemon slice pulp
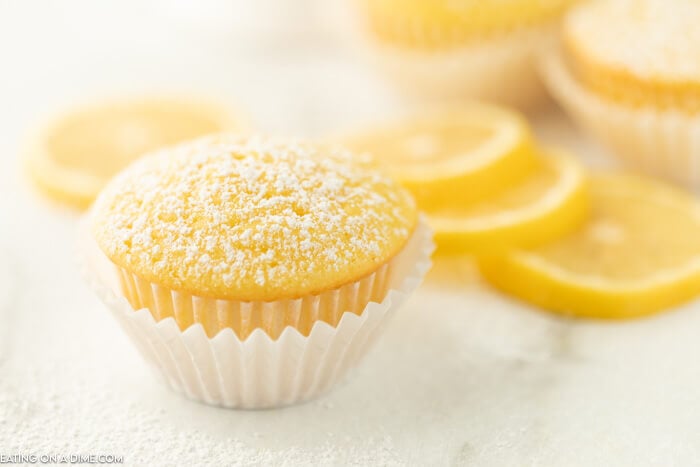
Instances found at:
x=73 y=157
x=637 y=254
x=457 y=155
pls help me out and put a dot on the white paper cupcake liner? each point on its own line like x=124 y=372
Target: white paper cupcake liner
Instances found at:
x=257 y=372
x=244 y=317
x=502 y=68
x=660 y=143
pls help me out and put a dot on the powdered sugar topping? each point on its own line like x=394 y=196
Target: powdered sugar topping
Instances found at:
x=225 y=215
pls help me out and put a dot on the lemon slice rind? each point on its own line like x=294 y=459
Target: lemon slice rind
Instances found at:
x=560 y=210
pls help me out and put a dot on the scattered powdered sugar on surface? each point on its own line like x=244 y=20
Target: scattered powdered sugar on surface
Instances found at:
x=255 y=215
x=651 y=38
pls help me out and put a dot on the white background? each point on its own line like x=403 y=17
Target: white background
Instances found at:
x=463 y=376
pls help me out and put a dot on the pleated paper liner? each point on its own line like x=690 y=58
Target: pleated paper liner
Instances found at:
x=664 y=143
x=257 y=371
x=500 y=68
x=244 y=317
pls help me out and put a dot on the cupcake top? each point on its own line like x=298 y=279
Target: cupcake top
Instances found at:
x=445 y=23
x=251 y=219
x=642 y=53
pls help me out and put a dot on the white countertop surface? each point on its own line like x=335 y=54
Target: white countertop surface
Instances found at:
x=463 y=376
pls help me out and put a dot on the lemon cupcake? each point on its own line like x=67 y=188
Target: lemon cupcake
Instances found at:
x=259 y=251
x=470 y=48
x=627 y=70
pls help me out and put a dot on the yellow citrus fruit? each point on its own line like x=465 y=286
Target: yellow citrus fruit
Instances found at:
x=548 y=204
x=72 y=157
x=455 y=156
x=637 y=254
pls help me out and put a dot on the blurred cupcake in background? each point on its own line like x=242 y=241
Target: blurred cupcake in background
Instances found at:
x=628 y=71
x=447 y=49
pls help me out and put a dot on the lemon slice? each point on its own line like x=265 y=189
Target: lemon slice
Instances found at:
x=550 y=203
x=456 y=155
x=637 y=254
x=73 y=157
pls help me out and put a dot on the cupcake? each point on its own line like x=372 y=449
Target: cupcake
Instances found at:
x=263 y=268
x=445 y=49
x=627 y=70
